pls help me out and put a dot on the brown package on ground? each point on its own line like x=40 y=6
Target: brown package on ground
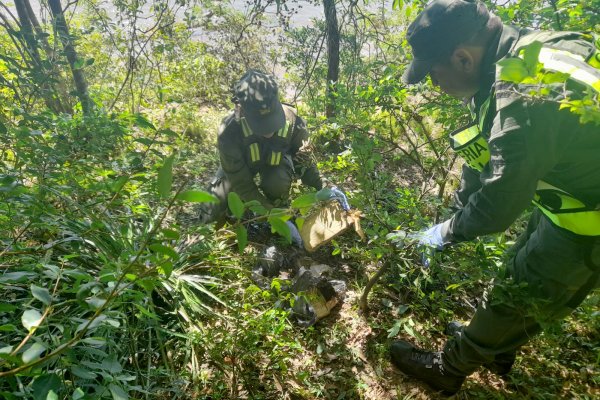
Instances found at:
x=326 y=223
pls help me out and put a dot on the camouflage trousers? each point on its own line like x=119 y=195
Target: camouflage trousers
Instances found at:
x=550 y=272
x=275 y=183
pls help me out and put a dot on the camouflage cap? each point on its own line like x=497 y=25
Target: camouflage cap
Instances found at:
x=257 y=94
x=438 y=30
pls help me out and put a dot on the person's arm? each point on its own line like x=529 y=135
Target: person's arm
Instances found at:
x=231 y=153
x=524 y=146
x=302 y=156
x=469 y=183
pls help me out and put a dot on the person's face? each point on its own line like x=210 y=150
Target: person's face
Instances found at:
x=457 y=77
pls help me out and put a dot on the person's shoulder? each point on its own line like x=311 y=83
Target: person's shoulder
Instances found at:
x=229 y=124
x=230 y=130
x=290 y=110
x=291 y=114
x=578 y=43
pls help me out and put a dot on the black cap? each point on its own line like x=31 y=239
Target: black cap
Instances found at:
x=438 y=29
x=257 y=93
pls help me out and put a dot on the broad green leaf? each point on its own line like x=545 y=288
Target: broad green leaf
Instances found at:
x=31 y=319
x=93 y=325
x=408 y=329
x=279 y=213
x=77 y=394
x=235 y=205
x=146 y=312
x=165 y=177
x=117 y=392
x=5 y=307
x=78 y=64
x=530 y=56
x=170 y=234
x=8 y=328
x=95 y=341
x=256 y=207
x=95 y=302
x=118 y=184
x=44 y=384
x=300 y=223
x=146 y=141
x=143 y=122
x=555 y=77
x=397 y=4
x=242 y=237
x=166 y=250
x=513 y=70
x=52 y=395
x=16 y=276
x=6 y=349
x=393 y=331
x=323 y=194
x=166 y=268
x=111 y=365
x=42 y=294
x=279 y=226
x=306 y=200
x=89 y=61
x=197 y=196
x=33 y=352
x=82 y=373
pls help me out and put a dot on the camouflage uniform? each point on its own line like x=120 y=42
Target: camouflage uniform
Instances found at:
x=522 y=147
x=246 y=152
x=551 y=269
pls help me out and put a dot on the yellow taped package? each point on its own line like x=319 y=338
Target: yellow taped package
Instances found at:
x=328 y=222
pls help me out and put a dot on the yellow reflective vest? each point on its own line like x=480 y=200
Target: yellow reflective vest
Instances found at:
x=278 y=144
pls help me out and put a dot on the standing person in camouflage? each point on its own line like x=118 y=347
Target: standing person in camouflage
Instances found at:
x=521 y=147
x=260 y=136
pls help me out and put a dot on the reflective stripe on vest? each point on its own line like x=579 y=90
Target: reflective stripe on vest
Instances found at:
x=566 y=211
x=570 y=64
x=283 y=132
x=471 y=146
x=245 y=127
x=254 y=149
x=275 y=157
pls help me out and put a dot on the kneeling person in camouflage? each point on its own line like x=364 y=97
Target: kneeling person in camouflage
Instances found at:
x=260 y=136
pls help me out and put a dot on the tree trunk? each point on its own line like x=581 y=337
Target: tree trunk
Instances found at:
x=62 y=31
x=61 y=87
x=47 y=92
x=333 y=56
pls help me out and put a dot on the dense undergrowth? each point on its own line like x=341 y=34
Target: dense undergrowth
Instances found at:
x=112 y=289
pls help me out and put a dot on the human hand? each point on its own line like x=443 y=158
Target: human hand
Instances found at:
x=295 y=234
x=429 y=241
x=431 y=237
x=336 y=194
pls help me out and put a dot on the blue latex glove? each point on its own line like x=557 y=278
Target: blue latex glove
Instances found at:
x=431 y=237
x=334 y=193
x=296 y=238
x=430 y=240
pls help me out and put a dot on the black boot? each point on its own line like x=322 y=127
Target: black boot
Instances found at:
x=426 y=366
x=503 y=362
